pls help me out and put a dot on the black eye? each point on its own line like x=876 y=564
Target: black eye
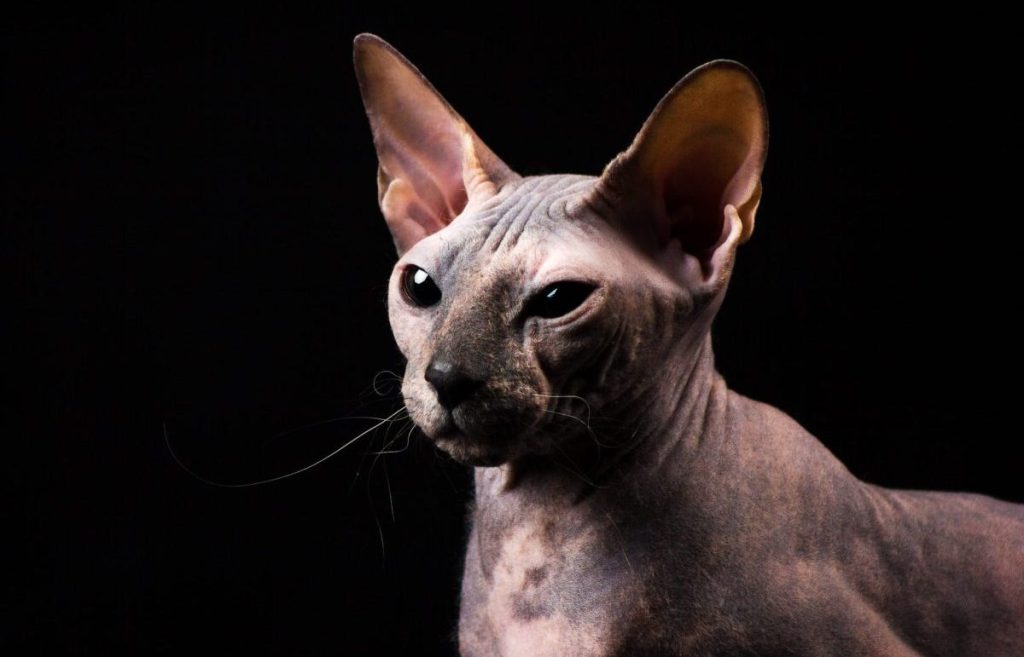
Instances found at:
x=558 y=299
x=419 y=287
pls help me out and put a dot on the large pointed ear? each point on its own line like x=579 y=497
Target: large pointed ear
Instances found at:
x=691 y=178
x=431 y=163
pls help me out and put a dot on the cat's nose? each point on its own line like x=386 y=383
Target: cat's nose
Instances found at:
x=453 y=384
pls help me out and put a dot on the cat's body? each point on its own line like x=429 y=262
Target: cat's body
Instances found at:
x=627 y=502
x=744 y=537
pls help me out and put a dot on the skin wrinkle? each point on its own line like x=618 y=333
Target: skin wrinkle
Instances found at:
x=680 y=517
x=609 y=352
x=510 y=210
x=510 y=236
x=683 y=413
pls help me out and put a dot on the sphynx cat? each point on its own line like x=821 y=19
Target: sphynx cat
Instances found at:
x=627 y=502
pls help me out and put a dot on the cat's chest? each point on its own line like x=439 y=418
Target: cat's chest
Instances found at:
x=546 y=584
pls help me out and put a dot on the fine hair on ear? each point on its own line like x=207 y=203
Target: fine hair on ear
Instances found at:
x=692 y=176
x=431 y=163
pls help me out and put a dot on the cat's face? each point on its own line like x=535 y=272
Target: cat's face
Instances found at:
x=541 y=308
x=528 y=307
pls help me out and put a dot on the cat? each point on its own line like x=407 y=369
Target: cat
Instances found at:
x=557 y=333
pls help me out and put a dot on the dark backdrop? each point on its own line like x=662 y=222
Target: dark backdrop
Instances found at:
x=190 y=213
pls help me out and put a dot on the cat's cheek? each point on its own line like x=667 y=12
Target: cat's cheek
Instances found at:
x=560 y=352
x=409 y=329
x=426 y=415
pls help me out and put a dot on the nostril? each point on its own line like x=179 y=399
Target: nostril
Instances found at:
x=438 y=371
x=452 y=384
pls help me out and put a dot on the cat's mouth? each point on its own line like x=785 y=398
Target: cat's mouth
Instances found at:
x=451 y=436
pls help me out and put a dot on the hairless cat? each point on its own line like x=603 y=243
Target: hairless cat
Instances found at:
x=627 y=502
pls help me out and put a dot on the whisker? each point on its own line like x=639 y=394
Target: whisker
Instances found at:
x=320 y=423
x=569 y=415
x=380 y=534
x=575 y=397
x=387 y=483
x=575 y=469
x=376 y=378
x=408 y=439
x=391 y=499
x=586 y=423
x=261 y=482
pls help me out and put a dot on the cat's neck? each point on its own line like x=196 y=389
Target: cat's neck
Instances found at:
x=679 y=412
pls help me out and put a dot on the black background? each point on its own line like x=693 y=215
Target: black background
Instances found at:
x=190 y=214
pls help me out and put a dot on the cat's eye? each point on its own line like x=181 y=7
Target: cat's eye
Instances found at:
x=419 y=287
x=558 y=299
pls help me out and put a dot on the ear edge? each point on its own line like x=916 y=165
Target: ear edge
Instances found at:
x=377 y=65
x=708 y=68
x=366 y=47
x=722 y=65
x=478 y=154
x=625 y=176
x=700 y=74
x=747 y=209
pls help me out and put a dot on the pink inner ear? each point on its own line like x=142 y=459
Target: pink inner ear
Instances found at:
x=423 y=188
x=408 y=217
x=692 y=192
x=427 y=153
x=432 y=164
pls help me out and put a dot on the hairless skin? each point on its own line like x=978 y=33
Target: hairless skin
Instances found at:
x=557 y=331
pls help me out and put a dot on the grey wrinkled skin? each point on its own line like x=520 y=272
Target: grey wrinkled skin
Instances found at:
x=688 y=519
x=626 y=501
x=489 y=262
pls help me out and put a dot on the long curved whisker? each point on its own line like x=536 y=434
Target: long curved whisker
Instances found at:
x=395 y=378
x=333 y=420
x=571 y=397
x=574 y=469
x=585 y=423
x=408 y=439
x=571 y=416
x=333 y=453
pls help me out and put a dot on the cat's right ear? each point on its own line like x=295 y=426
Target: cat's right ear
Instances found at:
x=689 y=185
x=431 y=163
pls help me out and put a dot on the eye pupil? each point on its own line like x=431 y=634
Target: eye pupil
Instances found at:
x=419 y=288
x=559 y=299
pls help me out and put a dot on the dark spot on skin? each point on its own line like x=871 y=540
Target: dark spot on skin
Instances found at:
x=525 y=608
x=534 y=576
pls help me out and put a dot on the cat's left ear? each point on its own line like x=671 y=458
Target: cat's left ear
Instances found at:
x=431 y=163
x=690 y=182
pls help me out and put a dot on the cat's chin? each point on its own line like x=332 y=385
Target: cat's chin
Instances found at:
x=466 y=440
x=468 y=451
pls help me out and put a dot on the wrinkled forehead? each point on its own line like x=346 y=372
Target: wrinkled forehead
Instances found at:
x=532 y=225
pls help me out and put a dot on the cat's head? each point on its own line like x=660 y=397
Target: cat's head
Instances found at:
x=527 y=307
